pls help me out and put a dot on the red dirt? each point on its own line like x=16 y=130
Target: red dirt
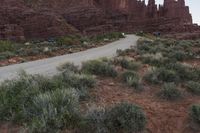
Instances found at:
x=193 y=62
x=163 y=116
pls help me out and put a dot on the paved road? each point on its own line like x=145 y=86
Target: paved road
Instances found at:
x=49 y=66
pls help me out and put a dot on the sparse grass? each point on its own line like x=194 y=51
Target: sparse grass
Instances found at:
x=170 y=92
x=195 y=113
x=194 y=87
x=100 y=68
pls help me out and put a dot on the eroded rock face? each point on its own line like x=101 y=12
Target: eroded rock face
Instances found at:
x=35 y=19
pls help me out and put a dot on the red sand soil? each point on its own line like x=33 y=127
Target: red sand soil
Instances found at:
x=163 y=116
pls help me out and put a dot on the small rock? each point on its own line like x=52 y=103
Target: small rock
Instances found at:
x=27 y=43
x=46 y=49
x=12 y=61
x=106 y=39
x=85 y=43
x=111 y=84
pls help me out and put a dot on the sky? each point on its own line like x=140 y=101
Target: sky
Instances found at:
x=194 y=8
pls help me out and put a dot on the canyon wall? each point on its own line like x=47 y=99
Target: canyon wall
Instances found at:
x=38 y=19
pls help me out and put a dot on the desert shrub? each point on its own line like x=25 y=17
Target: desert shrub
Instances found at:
x=160 y=75
x=68 y=41
x=68 y=67
x=6 y=55
x=124 y=52
x=185 y=73
x=98 y=67
x=6 y=46
x=52 y=111
x=194 y=87
x=167 y=75
x=195 y=113
x=17 y=94
x=81 y=82
x=94 y=121
x=43 y=104
x=131 y=78
x=156 y=60
x=125 y=117
x=128 y=64
x=171 y=49
x=152 y=77
x=177 y=55
x=169 y=92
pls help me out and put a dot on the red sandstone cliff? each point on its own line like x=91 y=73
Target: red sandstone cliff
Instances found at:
x=28 y=19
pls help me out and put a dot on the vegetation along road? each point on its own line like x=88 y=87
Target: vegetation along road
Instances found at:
x=49 y=66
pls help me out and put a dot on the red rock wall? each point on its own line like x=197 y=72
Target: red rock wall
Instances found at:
x=28 y=19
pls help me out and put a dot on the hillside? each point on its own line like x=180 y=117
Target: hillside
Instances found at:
x=37 y=19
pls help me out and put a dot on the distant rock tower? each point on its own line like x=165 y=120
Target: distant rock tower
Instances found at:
x=152 y=9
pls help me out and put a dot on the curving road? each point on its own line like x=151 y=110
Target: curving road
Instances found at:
x=49 y=66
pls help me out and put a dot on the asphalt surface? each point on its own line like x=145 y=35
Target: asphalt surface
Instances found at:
x=49 y=66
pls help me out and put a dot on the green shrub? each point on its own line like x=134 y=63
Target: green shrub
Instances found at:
x=6 y=46
x=167 y=75
x=94 y=121
x=68 y=41
x=152 y=77
x=68 y=67
x=99 y=68
x=122 y=117
x=194 y=87
x=53 y=111
x=128 y=64
x=160 y=75
x=125 y=117
x=195 y=113
x=124 y=52
x=17 y=94
x=81 y=82
x=178 y=55
x=6 y=55
x=156 y=60
x=169 y=92
x=174 y=50
x=43 y=104
x=131 y=78
x=185 y=73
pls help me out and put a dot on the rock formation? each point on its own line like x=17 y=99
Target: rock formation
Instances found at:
x=36 y=19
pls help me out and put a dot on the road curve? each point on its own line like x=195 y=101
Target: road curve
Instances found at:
x=49 y=66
